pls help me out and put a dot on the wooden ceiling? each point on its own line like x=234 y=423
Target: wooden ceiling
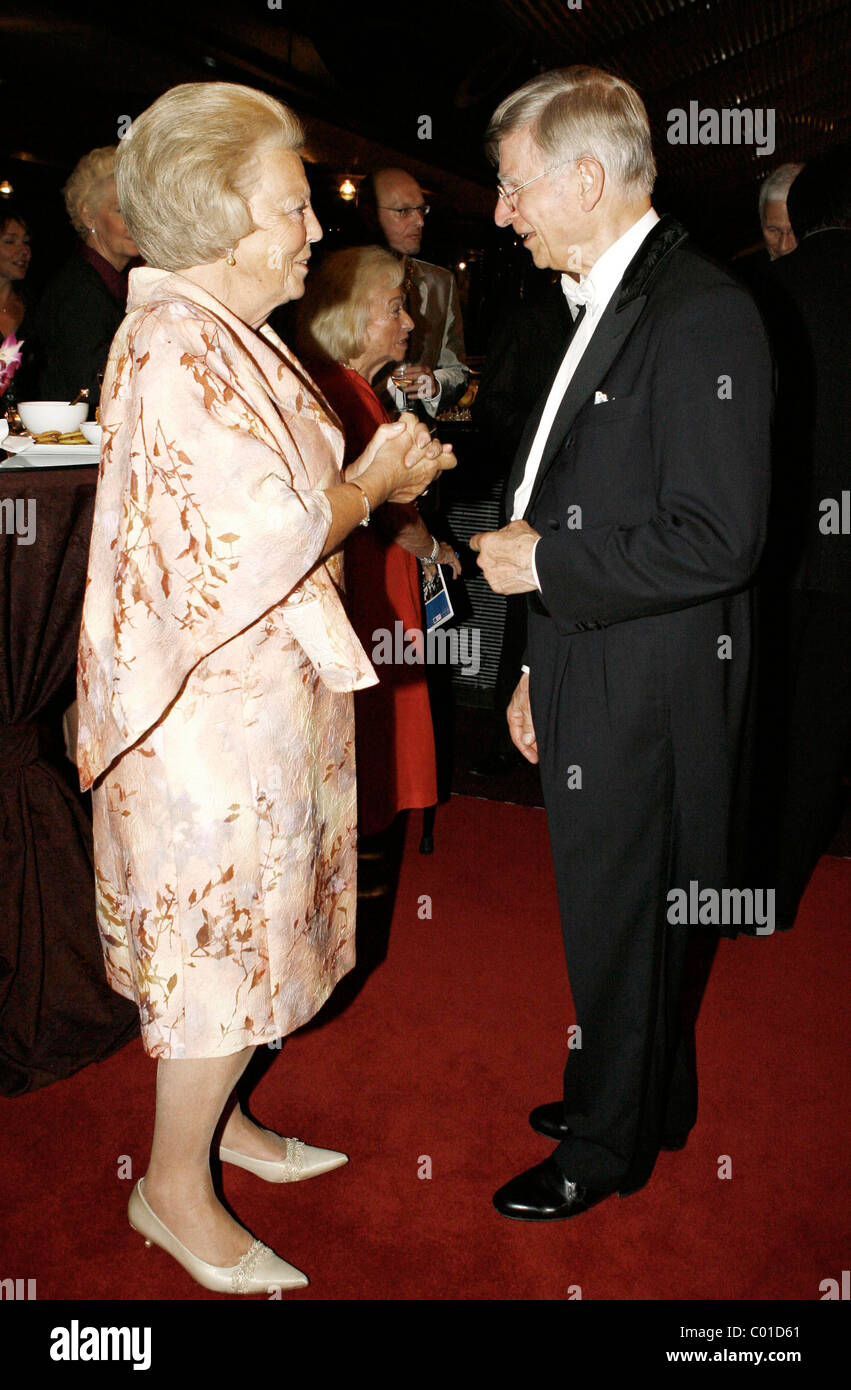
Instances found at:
x=367 y=72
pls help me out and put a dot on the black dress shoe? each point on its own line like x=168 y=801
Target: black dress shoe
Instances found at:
x=549 y=1120
x=544 y=1194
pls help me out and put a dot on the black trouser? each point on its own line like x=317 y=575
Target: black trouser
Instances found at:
x=818 y=747
x=652 y=812
x=631 y=1082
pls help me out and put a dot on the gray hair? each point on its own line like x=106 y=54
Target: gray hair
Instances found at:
x=90 y=180
x=776 y=185
x=188 y=165
x=578 y=111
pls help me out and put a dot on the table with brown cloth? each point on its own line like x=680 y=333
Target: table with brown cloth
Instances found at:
x=57 y=1012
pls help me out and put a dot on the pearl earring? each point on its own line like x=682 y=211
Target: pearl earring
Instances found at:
x=231 y=258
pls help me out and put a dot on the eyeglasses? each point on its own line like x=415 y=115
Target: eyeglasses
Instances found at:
x=401 y=213
x=508 y=195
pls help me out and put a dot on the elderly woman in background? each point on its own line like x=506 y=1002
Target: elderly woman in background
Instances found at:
x=216 y=662
x=82 y=306
x=352 y=323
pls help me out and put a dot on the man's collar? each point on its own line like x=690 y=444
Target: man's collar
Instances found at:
x=662 y=239
x=600 y=282
x=607 y=271
x=576 y=292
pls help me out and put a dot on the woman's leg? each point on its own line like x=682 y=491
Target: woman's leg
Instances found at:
x=191 y=1095
x=241 y=1133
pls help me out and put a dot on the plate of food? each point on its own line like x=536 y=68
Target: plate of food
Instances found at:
x=50 y=446
x=56 y=433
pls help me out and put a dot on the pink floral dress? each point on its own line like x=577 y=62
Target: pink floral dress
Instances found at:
x=215 y=669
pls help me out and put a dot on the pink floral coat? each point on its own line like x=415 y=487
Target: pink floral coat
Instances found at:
x=215 y=669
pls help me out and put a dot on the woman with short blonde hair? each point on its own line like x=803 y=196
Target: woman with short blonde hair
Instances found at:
x=216 y=663
x=333 y=320
x=351 y=324
x=83 y=305
x=89 y=184
x=207 y=128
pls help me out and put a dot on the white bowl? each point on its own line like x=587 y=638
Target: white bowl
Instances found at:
x=92 y=431
x=39 y=416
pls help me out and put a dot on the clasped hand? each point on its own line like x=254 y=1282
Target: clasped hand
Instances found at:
x=406 y=456
x=505 y=557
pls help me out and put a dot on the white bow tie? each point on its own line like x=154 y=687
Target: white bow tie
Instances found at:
x=577 y=293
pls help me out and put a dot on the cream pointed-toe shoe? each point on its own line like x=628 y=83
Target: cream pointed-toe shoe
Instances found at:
x=302 y=1161
x=259 y=1271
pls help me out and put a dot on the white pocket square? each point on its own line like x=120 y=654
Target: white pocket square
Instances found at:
x=599 y=397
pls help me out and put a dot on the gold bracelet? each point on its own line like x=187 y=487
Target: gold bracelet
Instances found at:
x=367 y=508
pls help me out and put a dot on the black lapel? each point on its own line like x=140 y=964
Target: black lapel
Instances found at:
x=622 y=313
x=609 y=337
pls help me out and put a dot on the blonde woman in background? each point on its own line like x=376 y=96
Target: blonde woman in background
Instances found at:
x=82 y=307
x=352 y=323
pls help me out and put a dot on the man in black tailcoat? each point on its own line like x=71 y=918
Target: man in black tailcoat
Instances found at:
x=640 y=499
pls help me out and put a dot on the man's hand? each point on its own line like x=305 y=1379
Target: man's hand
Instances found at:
x=520 y=726
x=505 y=557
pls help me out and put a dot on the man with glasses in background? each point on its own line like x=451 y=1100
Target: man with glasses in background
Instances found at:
x=393 y=208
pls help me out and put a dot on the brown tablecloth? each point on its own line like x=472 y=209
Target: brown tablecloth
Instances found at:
x=57 y=1012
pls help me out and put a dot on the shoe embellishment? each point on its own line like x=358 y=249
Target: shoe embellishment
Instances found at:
x=244 y=1271
x=295 y=1155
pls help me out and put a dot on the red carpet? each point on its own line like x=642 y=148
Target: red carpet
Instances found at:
x=446 y=1047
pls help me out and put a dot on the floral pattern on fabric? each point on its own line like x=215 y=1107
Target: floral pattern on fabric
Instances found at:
x=215 y=673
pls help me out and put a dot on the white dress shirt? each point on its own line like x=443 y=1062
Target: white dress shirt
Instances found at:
x=594 y=291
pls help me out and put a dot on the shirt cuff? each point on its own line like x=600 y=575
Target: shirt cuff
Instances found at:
x=432 y=402
x=527 y=669
x=534 y=567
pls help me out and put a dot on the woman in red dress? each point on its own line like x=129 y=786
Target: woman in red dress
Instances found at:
x=353 y=322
